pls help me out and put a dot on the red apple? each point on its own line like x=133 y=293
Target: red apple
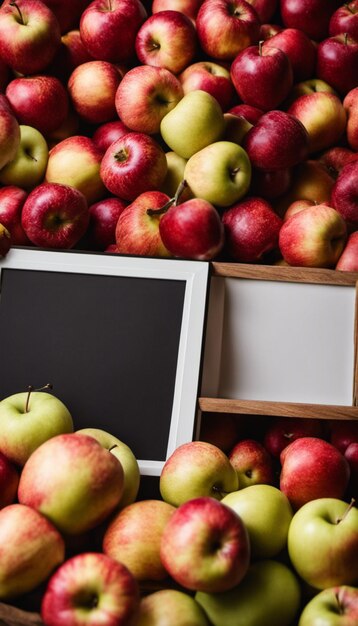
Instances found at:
x=211 y=77
x=310 y=16
x=283 y=430
x=11 y=202
x=271 y=184
x=348 y=261
x=9 y=480
x=337 y=62
x=345 y=20
x=252 y=462
x=69 y=55
x=222 y=433
x=269 y=30
x=300 y=50
x=9 y=133
x=68 y=12
x=225 y=27
x=188 y=7
x=350 y=104
x=344 y=195
x=107 y=133
x=92 y=87
x=55 y=216
x=268 y=68
x=101 y=231
x=342 y=433
x=265 y=9
x=311 y=181
x=336 y=158
x=250 y=113
x=351 y=454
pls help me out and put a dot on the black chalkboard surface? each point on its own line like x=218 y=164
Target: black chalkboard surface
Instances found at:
x=112 y=335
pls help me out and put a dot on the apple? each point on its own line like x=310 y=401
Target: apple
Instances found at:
x=133 y=538
x=310 y=16
x=196 y=469
x=236 y=128
x=9 y=481
x=296 y=207
x=194 y=123
x=250 y=113
x=145 y=95
x=281 y=431
x=314 y=237
x=336 y=158
x=137 y=232
x=350 y=103
x=73 y=50
x=277 y=141
x=68 y=12
x=205 y=546
x=107 y=133
x=188 y=7
x=265 y=9
x=225 y=27
x=337 y=606
x=168 y=606
x=211 y=77
x=5 y=241
x=337 y=60
x=345 y=20
x=312 y=468
x=323 y=543
x=11 y=202
x=69 y=127
x=269 y=594
x=42 y=416
x=38 y=101
x=309 y=86
x=9 y=135
x=108 y=31
x=90 y=588
x=269 y=30
x=219 y=173
x=27 y=168
x=348 y=261
x=76 y=161
x=266 y=513
x=271 y=184
x=299 y=48
x=344 y=196
x=252 y=463
x=55 y=216
x=324 y=118
x=351 y=454
x=30 y=549
x=270 y=68
x=223 y=432
x=29 y=35
x=342 y=433
x=251 y=229
x=311 y=181
x=175 y=176
x=126 y=457
x=92 y=87
x=103 y=217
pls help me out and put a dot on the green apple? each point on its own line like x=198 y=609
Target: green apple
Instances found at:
x=174 y=176
x=27 y=168
x=267 y=514
x=323 y=543
x=195 y=122
x=269 y=595
x=126 y=457
x=170 y=606
x=28 y=419
x=219 y=173
x=335 y=606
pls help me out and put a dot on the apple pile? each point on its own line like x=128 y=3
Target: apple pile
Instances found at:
x=264 y=532
x=199 y=129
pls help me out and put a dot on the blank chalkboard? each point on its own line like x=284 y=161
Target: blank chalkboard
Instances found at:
x=118 y=338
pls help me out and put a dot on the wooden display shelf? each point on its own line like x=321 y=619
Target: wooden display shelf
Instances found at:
x=283 y=273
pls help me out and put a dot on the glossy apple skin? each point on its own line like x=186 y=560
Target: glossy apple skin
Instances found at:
x=300 y=50
x=265 y=9
x=251 y=229
x=283 y=430
x=348 y=261
x=344 y=195
x=92 y=87
x=350 y=104
x=103 y=218
x=170 y=606
x=337 y=606
x=211 y=77
x=336 y=158
x=225 y=28
x=312 y=468
x=188 y=7
x=337 y=61
x=92 y=584
x=12 y=199
x=55 y=216
x=250 y=113
x=9 y=481
x=271 y=184
x=310 y=16
x=107 y=133
x=109 y=34
x=252 y=463
x=345 y=20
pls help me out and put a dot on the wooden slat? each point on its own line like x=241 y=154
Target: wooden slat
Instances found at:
x=284 y=273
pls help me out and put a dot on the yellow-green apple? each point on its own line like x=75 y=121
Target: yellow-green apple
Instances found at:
x=344 y=196
x=337 y=60
x=12 y=200
x=314 y=237
x=310 y=16
x=252 y=463
x=350 y=104
x=277 y=141
x=38 y=101
x=268 y=67
x=133 y=538
x=137 y=232
x=351 y=454
x=196 y=469
x=9 y=481
x=342 y=433
x=247 y=111
x=192 y=230
x=145 y=95
x=269 y=594
x=103 y=218
x=211 y=77
x=348 y=261
x=236 y=128
x=265 y=9
x=107 y=133
x=281 y=431
x=55 y=215
x=225 y=27
x=9 y=134
x=90 y=588
x=27 y=168
x=323 y=543
x=174 y=176
x=299 y=48
x=80 y=490
x=312 y=468
x=307 y=87
x=251 y=229
x=345 y=20
x=108 y=31
x=194 y=123
x=167 y=39
x=219 y=173
x=324 y=118
x=5 y=240
x=126 y=457
x=205 y=546
x=30 y=549
x=133 y=164
x=334 y=606
x=336 y=158
x=188 y=7
x=76 y=161
x=311 y=180
x=271 y=184
x=267 y=514
x=92 y=87
x=170 y=606
x=27 y=420
x=223 y=432
x=29 y=35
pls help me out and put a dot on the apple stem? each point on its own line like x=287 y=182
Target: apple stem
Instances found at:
x=170 y=202
x=182 y=185
x=349 y=507
x=112 y=447
x=260 y=47
x=345 y=39
x=30 y=389
x=222 y=492
x=340 y=608
x=13 y=4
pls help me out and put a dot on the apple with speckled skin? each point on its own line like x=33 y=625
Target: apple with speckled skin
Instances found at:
x=348 y=261
x=310 y=16
x=336 y=158
x=211 y=77
x=299 y=48
x=337 y=60
x=12 y=199
x=252 y=463
x=170 y=606
x=92 y=87
x=345 y=20
x=9 y=481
